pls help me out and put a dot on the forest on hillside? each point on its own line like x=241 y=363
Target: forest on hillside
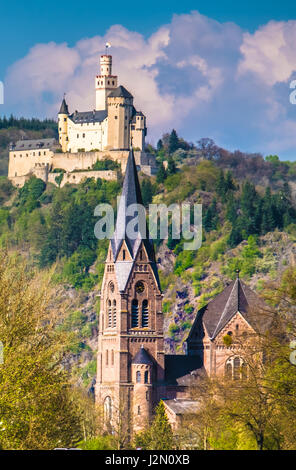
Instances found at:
x=249 y=223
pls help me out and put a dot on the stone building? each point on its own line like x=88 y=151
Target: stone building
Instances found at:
x=85 y=137
x=133 y=371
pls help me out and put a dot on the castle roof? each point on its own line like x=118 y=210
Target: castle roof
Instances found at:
x=236 y=297
x=33 y=144
x=142 y=357
x=120 y=92
x=88 y=116
x=131 y=194
x=64 y=108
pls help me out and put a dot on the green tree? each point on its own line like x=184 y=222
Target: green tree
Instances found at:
x=173 y=142
x=161 y=174
x=159 y=435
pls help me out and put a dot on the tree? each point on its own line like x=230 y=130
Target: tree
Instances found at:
x=159 y=435
x=37 y=410
x=208 y=149
x=173 y=142
x=147 y=191
x=161 y=174
x=172 y=169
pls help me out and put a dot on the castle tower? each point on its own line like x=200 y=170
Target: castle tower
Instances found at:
x=130 y=338
x=120 y=110
x=63 y=125
x=105 y=82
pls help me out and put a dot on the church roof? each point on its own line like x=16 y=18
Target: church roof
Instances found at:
x=131 y=194
x=88 y=116
x=142 y=357
x=64 y=107
x=120 y=92
x=236 y=297
x=182 y=370
x=182 y=406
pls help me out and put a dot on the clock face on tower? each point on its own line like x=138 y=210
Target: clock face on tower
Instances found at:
x=139 y=287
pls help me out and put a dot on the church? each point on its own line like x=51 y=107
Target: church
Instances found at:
x=133 y=371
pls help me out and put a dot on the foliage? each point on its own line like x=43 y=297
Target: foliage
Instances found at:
x=159 y=435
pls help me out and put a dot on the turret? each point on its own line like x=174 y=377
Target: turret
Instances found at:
x=142 y=372
x=105 y=82
x=120 y=109
x=63 y=125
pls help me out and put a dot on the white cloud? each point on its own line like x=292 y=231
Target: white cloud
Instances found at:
x=270 y=52
x=200 y=76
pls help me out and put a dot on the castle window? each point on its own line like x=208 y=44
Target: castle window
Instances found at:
x=146 y=377
x=147 y=395
x=139 y=410
x=109 y=314
x=107 y=357
x=236 y=327
x=83 y=135
x=112 y=82
x=77 y=136
x=114 y=313
x=112 y=357
x=145 y=314
x=135 y=313
x=138 y=377
x=65 y=119
x=115 y=117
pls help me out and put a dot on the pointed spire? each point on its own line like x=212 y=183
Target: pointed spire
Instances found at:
x=131 y=194
x=64 y=107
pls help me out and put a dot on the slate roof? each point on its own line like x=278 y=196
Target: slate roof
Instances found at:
x=88 y=116
x=33 y=144
x=182 y=406
x=182 y=369
x=120 y=92
x=142 y=357
x=64 y=108
x=131 y=194
x=236 y=297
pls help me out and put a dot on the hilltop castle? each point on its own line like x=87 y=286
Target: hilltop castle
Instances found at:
x=106 y=132
x=133 y=371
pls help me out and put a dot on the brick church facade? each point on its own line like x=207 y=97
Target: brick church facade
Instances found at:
x=133 y=371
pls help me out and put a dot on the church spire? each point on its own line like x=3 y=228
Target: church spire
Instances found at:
x=131 y=194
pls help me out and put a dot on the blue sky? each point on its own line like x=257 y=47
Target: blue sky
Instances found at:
x=220 y=69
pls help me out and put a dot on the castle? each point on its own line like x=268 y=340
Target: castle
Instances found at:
x=106 y=132
x=133 y=371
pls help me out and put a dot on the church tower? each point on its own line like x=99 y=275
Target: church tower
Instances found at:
x=130 y=372
x=105 y=82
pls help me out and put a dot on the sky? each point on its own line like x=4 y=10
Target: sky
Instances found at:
x=219 y=69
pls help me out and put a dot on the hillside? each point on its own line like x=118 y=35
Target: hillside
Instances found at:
x=249 y=223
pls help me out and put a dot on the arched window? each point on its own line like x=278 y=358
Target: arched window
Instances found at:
x=107 y=357
x=236 y=368
x=107 y=409
x=112 y=357
x=145 y=314
x=135 y=313
x=228 y=370
x=146 y=377
x=109 y=314
x=138 y=377
x=114 y=313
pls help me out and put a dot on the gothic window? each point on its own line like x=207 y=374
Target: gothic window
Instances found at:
x=236 y=368
x=135 y=313
x=114 y=313
x=112 y=357
x=146 y=377
x=107 y=409
x=109 y=314
x=228 y=370
x=111 y=286
x=138 y=377
x=107 y=358
x=145 y=314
